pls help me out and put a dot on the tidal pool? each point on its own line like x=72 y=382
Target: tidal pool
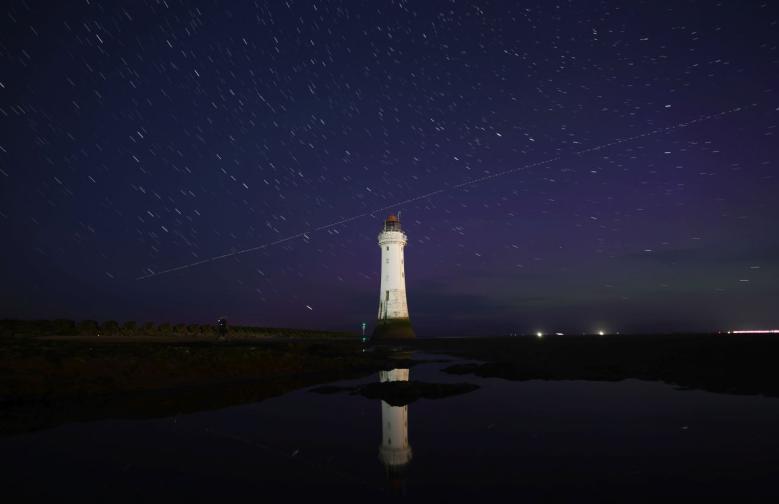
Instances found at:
x=532 y=440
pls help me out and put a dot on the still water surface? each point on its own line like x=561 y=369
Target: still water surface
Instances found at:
x=532 y=440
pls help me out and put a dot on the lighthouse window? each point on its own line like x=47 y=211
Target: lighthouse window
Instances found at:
x=387 y=260
x=387 y=247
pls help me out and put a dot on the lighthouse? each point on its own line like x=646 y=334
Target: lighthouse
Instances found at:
x=393 y=321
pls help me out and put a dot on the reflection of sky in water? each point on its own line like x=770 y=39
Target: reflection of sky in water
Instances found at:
x=532 y=440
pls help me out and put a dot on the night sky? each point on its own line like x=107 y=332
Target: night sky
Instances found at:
x=139 y=138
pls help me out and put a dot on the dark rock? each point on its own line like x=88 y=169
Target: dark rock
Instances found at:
x=330 y=389
x=401 y=393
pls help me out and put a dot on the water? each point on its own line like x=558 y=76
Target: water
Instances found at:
x=533 y=440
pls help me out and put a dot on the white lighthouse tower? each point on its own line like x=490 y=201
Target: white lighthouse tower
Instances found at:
x=395 y=451
x=393 y=321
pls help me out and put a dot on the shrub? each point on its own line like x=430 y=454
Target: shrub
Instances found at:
x=40 y=327
x=109 y=327
x=8 y=327
x=164 y=328
x=63 y=327
x=87 y=328
x=130 y=327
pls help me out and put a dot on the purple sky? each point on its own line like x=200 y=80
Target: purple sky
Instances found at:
x=143 y=137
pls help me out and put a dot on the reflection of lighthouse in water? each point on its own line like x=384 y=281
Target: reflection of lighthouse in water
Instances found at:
x=394 y=452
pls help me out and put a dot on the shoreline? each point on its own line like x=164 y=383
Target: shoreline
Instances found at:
x=46 y=382
x=51 y=380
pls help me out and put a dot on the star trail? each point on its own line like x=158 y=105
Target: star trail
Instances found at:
x=430 y=194
x=560 y=166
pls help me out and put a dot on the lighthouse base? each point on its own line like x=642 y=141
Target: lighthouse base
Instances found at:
x=390 y=329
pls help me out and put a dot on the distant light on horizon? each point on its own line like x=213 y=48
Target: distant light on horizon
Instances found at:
x=540 y=334
x=756 y=331
x=601 y=333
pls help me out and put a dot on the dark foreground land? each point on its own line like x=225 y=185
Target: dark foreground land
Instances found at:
x=46 y=382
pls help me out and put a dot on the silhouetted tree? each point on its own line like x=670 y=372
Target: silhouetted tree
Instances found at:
x=130 y=328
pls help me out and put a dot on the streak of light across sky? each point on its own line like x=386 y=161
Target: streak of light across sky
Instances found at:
x=436 y=192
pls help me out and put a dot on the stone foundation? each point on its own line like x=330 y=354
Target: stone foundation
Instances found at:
x=390 y=329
